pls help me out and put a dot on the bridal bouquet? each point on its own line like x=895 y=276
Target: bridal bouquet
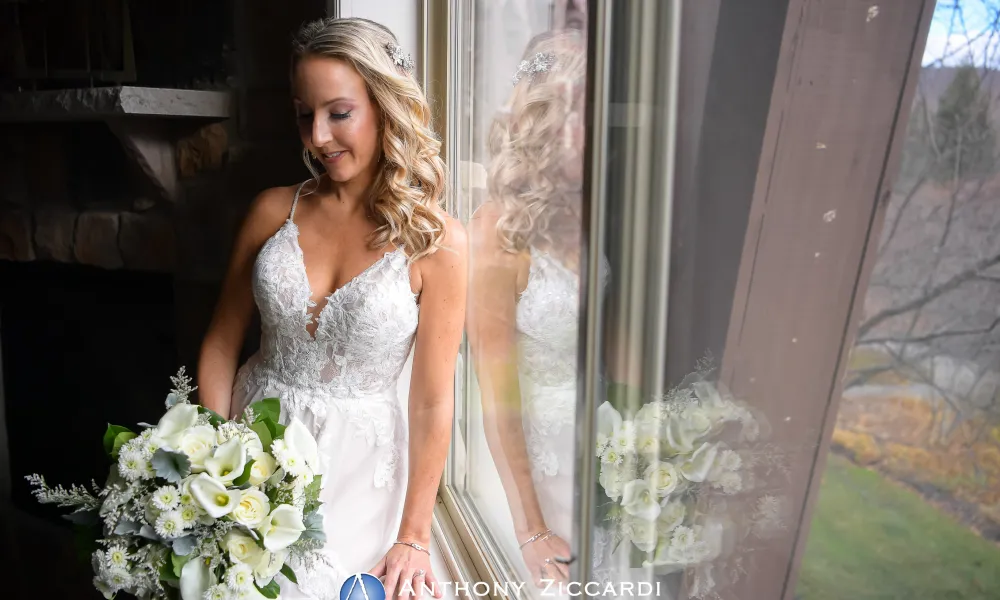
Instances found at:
x=686 y=478
x=199 y=507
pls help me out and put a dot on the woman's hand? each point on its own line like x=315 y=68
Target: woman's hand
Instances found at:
x=540 y=558
x=405 y=571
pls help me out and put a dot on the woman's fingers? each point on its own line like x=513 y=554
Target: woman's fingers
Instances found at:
x=392 y=581
x=434 y=584
x=418 y=585
x=379 y=569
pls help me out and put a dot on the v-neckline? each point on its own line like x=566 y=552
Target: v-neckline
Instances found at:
x=328 y=299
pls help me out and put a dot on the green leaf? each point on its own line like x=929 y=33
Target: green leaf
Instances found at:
x=279 y=431
x=213 y=417
x=177 y=563
x=120 y=440
x=111 y=433
x=167 y=573
x=289 y=573
x=172 y=466
x=263 y=433
x=245 y=477
x=270 y=590
x=268 y=408
x=314 y=527
x=312 y=494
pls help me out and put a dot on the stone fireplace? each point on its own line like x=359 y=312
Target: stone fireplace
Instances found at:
x=124 y=172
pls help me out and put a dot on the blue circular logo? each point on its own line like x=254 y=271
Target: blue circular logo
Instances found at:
x=362 y=586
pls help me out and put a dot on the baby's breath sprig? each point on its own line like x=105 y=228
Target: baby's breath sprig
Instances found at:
x=181 y=392
x=76 y=495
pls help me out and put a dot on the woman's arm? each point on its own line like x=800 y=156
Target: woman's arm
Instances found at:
x=220 y=350
x=443 y=278
x=496 y=278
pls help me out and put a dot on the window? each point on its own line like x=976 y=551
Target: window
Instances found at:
x=522 y=70
x=674 y=218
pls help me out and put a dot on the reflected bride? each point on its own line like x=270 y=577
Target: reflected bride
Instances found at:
x=524 y=303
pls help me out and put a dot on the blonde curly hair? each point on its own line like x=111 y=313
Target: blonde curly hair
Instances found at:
x=531 y=145
x=410 y=183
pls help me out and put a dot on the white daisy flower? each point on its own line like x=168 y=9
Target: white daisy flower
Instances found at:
x=170 y=524
x=189 y=515
x=239 y=577
x=166 y=498
x=117 y=558
x=217 y=592
x=131 y=464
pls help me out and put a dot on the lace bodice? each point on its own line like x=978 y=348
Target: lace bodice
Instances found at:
x=548 y=313
x=363 y=333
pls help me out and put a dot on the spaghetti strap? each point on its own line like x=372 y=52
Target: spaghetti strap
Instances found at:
x=295 y=201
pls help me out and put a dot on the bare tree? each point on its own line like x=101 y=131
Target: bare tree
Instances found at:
x=932 y=313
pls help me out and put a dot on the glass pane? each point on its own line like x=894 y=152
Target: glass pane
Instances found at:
x=520 y=147
x=909 y=505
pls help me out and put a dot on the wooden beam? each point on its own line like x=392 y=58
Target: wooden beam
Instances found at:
x=844 y=83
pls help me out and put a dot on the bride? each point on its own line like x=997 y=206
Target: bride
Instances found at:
x=349 y=271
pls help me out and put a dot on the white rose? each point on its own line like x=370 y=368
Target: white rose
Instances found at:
x=263 y=467
x=252 y=508
x=197 y=444
x=213 y=497
x=174 y=423
x=639 y=500
x=663 y=478
x=282 y=527
x=242 y=547
x=227 y=461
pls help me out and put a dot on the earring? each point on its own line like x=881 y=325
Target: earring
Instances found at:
x=307 y=157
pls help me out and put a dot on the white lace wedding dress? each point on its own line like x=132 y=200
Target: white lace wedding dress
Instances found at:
x=341 y=382
x=548 y=329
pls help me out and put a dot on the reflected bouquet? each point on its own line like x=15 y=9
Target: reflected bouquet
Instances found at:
x=686 y=478
x=200 y=507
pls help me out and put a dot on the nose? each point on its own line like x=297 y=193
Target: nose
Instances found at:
x=321 y=134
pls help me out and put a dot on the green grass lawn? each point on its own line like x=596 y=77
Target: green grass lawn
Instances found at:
x=871 y=539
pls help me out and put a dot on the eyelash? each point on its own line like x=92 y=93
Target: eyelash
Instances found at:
x=337 y=116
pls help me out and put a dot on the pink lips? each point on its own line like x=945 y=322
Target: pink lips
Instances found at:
x=332 y=159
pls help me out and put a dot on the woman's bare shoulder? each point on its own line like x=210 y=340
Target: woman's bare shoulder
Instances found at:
x=267 y=213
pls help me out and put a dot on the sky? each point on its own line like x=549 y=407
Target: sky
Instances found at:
x=964 y=29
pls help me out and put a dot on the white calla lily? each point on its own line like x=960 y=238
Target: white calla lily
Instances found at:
x=268 y=565
x=697 y=467
x=227 y=462
x=196 y=578
x=639 y=500
x=298 y=439
x=213 y=497
x=174 y=423
x=282 y=527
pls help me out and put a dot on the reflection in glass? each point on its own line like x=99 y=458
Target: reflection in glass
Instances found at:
x=524 y=302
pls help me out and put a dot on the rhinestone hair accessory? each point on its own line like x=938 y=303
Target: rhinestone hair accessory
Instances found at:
x=542 y=62
x=399 y=57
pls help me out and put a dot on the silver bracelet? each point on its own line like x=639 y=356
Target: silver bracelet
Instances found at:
x=414 y=546
x=535 y=538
